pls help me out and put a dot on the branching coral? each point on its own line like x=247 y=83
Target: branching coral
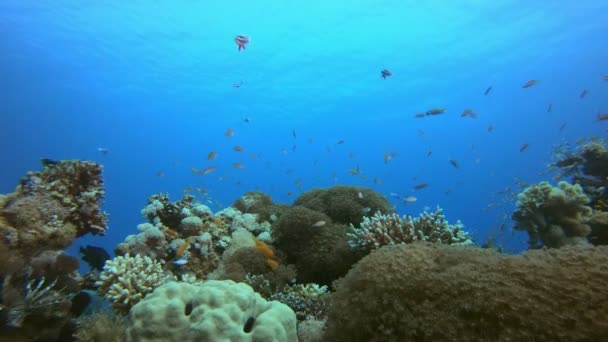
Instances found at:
x=126 y=280
x=554 y=216
x=380 y=230
x=308 y=301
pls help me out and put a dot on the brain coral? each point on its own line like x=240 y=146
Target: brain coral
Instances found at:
x=320 y=253
x=554 y=216
x=214 y=311
x=345 y=204
x=426 y=291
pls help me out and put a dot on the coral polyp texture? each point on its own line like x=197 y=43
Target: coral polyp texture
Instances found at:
x=126 y=280
x=554 y=216
x=43 y=216
x=437 y=292
x=52 y=207
x=212 y=311
x=380 y=230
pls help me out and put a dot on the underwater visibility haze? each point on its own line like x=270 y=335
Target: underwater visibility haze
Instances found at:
x=316 y=157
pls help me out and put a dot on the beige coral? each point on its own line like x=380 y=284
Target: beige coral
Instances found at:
x=380 y=230
x=126 y=280
x=554 y=216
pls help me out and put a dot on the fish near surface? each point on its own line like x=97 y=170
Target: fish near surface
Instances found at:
x=241 y=41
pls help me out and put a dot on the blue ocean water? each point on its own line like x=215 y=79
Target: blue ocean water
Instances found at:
x=153 y=82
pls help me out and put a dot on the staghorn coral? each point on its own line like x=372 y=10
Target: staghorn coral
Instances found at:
x=126 y=280
x=437 y=292
x=554 y=216
x=381 y=230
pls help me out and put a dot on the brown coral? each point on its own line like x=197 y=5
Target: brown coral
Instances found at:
x=442 y=293
x=554 y=216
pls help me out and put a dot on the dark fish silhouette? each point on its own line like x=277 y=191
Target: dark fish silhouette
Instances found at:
x=94 y=256
x=385 y=73
x=241 y=41
x=46 y=162
x=488 y=90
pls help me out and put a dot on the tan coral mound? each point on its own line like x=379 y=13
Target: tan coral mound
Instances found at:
x=438 y=292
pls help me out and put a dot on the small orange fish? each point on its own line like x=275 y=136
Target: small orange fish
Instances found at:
x=490 y=128
x=420 y=186
x=529 y=83
x=238 y=166
x=238 y=148
x=229 y=132
x=208 y=170
x=584 y=93
x=172 y=233
x=182 y=249
x=264 y=248
x=211 y=155
x=523 y=147
x=435 y=111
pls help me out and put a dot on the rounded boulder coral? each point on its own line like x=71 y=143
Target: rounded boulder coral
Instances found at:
x=213 y=311
x=345 y=204
x=436 y=292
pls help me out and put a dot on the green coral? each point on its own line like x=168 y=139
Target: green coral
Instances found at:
x=345 y=204
x=554 y=216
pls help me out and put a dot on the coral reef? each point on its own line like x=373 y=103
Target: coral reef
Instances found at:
x=308 y=301
x=424 y=291
x=320 y=252
x=44 y=215
x=554 y=216
x=126 y=280
x=102 y=326
x=345 y=204
x=380 y=230
x=212 y=311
